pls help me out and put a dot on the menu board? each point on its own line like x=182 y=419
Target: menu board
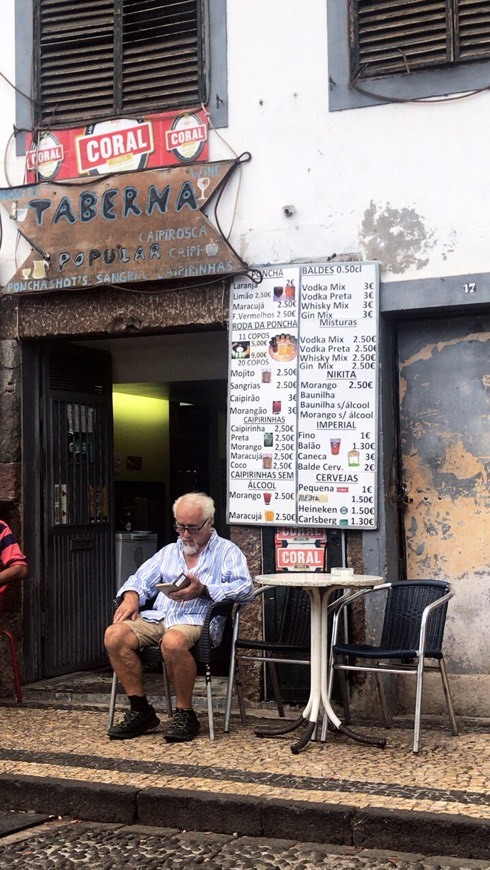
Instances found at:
x=303 y=386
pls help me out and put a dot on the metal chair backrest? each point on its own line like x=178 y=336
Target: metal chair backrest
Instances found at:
x=405 y=604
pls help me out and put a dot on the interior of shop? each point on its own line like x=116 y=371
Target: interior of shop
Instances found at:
x=169 y=417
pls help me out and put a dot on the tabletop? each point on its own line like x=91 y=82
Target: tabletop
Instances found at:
x=314 y=580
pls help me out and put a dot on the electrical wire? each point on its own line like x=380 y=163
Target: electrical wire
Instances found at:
x=236 y=156
x=18 y=90
x=355 y=86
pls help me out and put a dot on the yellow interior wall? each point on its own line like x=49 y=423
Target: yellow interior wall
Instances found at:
x=141 y=428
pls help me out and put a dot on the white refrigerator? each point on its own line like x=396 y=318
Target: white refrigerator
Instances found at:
x=132 y=549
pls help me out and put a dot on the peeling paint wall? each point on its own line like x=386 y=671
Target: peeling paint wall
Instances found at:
x=397 y=237
x=445 y=442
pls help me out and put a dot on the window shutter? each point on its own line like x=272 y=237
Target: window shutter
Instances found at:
x=104 y=58
x=401 y=37
x=75 y=71
x=396 y=37
x=473 y=35
x=162 y=58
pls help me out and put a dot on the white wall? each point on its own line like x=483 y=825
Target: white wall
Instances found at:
x=419 y=167
x=403 y=183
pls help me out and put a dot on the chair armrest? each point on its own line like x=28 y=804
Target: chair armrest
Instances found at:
x=203 y=649
x=349 y=597
x=216 y=608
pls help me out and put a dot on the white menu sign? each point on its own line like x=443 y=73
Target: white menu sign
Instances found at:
x=303 y=385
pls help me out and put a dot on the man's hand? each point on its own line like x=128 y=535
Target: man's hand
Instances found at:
x=194 y=590
x=128 y=608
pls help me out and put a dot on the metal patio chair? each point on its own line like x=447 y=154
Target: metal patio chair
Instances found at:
x=4 y=632
x=412 y=633
x=292 y=646
x=206 y=655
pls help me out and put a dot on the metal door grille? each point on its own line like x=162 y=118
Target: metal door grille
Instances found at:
x=77 y=486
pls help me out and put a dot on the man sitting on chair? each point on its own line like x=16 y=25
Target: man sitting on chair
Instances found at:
x=217 y=570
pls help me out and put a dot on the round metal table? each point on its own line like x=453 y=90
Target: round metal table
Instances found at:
x=319 y=588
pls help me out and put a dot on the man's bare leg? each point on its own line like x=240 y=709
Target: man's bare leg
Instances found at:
x=181 y=667
x=122 y=647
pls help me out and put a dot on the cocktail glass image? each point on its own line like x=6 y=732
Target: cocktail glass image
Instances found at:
x=276 y=406
x=278 y=291
x=269 y=516
x=267 y=497
x=267 y=460
x=268 y=439
x=290 y=290
x=335 y=446
x=266 y=375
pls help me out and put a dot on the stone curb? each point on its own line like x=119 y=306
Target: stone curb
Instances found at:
x=92 y=801
x=372 y=828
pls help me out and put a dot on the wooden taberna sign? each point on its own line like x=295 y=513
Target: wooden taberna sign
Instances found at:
x=119 y=229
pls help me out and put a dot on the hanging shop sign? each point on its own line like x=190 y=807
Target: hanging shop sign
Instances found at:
x=303 y=385
x=119 y=145
x=119 y=229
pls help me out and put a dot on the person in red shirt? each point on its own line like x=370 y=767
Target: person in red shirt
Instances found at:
x=13 y=563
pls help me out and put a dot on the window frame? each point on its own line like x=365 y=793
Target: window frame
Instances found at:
x=217 y=101
x=466 y=76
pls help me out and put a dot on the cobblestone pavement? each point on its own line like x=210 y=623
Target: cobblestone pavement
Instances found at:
x=448 y=775
x=56 y=758
x=107 y=846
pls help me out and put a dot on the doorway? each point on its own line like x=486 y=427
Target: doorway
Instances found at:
x=74 y=552
x=444 y=382
x=67 y=466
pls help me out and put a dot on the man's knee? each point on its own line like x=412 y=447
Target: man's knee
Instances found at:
x=119 y=635
x=174 y=641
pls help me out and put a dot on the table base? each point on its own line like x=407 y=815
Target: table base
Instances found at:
x=319 y=587
x=307 y=735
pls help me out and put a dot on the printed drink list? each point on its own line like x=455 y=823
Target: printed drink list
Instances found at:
x=303 y=397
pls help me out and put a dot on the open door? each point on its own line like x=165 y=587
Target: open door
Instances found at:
x=77 y=584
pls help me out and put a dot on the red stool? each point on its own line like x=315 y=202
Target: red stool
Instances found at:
x=13 y=654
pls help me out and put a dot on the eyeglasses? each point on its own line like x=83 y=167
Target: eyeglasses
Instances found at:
x=181 y=527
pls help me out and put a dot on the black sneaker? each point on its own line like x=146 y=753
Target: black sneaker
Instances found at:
x=184 y=726
x=134 y=724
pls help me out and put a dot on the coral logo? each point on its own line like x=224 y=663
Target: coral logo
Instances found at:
x=186 y=137
x=45 y=157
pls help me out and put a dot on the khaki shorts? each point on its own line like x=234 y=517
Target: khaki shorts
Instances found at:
x=149 y=633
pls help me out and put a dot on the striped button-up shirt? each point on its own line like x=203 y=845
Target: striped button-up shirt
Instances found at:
x=221 y=567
